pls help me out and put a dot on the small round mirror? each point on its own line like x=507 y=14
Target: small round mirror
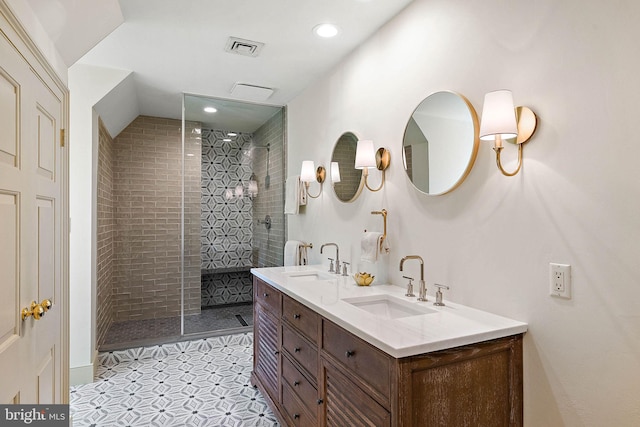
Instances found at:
x=440 y=143
x=346 y=180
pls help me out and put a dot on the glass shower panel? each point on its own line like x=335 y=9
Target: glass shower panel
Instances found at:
x=238 y=150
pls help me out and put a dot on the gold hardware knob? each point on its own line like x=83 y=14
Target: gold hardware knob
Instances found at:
x=46 y=304
x=34 y=310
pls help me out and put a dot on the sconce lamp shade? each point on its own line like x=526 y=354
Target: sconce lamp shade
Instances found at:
x=308 y=171
x=365 y=155
x=498 y=116
x=335 y=172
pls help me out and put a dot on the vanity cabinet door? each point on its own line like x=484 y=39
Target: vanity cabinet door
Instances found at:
x=345 y=404
x=266 y=364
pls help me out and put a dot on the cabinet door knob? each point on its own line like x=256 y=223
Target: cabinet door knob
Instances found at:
x=276 y=352
x=296 y=350
x=349 y=353
x=265 y=295
x=296 y=383
x=296 y=316
x=320 y=401
x=296 y=416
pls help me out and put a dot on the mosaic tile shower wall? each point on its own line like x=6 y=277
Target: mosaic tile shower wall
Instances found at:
x=226 y=209
x=226 y=287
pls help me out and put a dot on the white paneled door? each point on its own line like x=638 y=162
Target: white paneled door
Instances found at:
x=31 y=230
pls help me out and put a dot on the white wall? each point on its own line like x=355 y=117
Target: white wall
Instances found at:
x=576 y=201
x=88 y=85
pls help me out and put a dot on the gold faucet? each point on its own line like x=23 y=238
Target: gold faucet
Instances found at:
x=422 y=291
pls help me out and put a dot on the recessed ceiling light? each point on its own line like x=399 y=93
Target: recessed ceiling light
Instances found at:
x=325 y=30
x=232 y=134
x=227 y=140
x=210 y=109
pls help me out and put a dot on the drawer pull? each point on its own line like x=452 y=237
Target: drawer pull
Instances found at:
x=296 y=416
x=349 y=353
x=296 y=383
x=296 y=316
x=320 y=401
x=296 y=350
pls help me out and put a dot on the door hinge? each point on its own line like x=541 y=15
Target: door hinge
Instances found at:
x=62 y=138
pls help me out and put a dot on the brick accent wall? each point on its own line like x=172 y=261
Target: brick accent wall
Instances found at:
x=105 y=235
x=147 y=199
x=268 y=245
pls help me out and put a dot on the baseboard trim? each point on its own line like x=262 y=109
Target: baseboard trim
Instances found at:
x=84 y=374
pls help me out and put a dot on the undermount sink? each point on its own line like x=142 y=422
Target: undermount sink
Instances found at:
x=388 y=307
x=309 y=276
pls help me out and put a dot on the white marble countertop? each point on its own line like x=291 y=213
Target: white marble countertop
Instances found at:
x=446 y=327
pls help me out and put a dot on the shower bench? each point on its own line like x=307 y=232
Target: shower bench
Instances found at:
x=225 y=286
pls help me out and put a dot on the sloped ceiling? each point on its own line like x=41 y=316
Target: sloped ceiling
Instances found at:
x=178 y=46
x=76 y=26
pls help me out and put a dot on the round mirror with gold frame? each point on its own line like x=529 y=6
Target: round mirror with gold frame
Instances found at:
x=346 y=180
x=440 y=143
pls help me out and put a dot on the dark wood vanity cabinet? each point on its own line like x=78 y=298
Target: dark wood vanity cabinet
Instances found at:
x=267 y=340
x=315 y=373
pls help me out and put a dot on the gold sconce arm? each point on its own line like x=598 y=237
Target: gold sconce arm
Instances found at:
x=498 y=149
x=383 y=159
x=321 y=175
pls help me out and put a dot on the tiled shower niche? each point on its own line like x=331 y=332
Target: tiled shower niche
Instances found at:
x=226 y=218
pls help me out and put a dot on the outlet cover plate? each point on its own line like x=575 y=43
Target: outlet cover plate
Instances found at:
x=560 y=280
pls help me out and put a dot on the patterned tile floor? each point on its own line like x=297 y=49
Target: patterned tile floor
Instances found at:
x=192 y=383
x=133 y=333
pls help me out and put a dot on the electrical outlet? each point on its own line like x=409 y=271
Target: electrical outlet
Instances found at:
x=560 y=280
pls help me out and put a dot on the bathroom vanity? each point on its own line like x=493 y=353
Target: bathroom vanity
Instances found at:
x=330 y=353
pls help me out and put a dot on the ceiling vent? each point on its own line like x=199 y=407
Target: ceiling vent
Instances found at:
x=251 y=92
x=243 y=47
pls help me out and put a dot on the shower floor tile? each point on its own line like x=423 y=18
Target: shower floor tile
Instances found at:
x=211 y=320
x=191 y=383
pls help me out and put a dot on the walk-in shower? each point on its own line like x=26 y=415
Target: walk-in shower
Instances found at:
x=193 y=205
x=242 y=162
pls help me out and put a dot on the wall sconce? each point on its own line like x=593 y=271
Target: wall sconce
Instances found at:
x=335 y=172
x=500 y=120
x=367 y=157
x=309 y=173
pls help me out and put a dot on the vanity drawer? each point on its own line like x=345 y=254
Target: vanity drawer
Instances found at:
x=302 y=318
x=295 y=409
x=268 y=296
x=300 y=385
x=360 y=358
x=300 y=350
